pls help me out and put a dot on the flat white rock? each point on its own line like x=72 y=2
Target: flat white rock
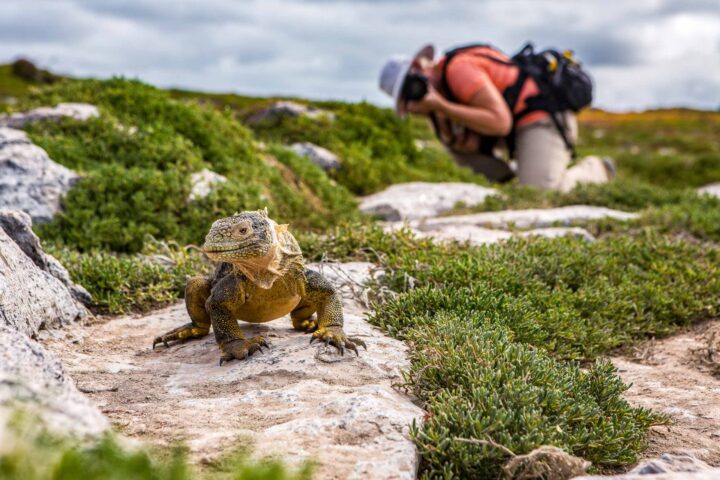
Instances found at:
x=322 y=157
x=77 y=111
x=295 y=401
x=203 y=182
x=531 y=218
x=29 y=180
x=712 y=189
x=417 y=200
x=484 y=236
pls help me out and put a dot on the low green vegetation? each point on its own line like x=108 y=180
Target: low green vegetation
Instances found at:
x=138 y=156
x=36 y=454
x=506 y=339
x=670 y=149
x=17 y=78
x=123 y=283
x=376 y=148
x=137 y=159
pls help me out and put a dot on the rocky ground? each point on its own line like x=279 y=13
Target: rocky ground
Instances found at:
x=679 y=376
x=295 y=401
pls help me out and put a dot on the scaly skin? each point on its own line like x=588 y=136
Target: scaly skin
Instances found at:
x=260 y=277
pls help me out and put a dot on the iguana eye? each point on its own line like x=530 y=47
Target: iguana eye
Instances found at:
x=242 y=230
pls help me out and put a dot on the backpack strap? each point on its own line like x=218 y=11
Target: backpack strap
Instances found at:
x=540 y=102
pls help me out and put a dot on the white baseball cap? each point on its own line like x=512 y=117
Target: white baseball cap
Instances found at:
x=393 y=73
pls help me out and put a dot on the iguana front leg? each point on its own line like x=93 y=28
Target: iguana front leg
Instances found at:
x=197 y=291
x=226 y=294
x=322 y=297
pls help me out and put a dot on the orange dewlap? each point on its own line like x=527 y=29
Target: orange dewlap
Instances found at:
x=469 y=72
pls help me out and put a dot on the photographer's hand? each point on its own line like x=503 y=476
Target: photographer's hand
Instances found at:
x=486 y=113
x=431 y=102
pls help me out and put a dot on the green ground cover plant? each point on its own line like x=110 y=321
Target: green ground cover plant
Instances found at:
x=376 y=148
x=122 y=283
x=17 y=78
x=137 y=158
x=34 y=453
x=506 y=340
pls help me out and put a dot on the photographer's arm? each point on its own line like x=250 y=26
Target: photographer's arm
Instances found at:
x=487 y=112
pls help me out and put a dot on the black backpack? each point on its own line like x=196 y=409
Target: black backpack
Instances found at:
x=563 y=84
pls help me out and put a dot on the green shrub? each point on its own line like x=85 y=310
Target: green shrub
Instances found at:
x=376 y=147
x=573 y=298
x=697 y=215
x=138 y=156
x=36 y=454
x=496 y=333
x=480 y=385
x=492 y=330
x=115 y=207
x=102 y=141
x=121 y=283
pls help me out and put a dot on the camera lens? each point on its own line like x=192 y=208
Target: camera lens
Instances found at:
x=415 y=87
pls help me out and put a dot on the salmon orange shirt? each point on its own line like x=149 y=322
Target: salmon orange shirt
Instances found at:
x=468 y=72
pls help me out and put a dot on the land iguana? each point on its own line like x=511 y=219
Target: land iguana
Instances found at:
x=260 y=277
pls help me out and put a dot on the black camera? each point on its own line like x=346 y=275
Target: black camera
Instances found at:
x=415 y=87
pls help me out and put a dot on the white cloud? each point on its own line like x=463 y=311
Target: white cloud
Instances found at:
x=643 y=53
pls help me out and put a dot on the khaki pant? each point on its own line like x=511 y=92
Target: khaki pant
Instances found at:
x=543 y=159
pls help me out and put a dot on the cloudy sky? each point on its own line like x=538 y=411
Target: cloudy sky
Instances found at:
x=642 y=53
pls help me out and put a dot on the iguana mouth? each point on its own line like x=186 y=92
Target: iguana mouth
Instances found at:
x=220 y=248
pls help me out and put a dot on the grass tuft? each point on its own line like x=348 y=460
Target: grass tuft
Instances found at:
x=34 y=453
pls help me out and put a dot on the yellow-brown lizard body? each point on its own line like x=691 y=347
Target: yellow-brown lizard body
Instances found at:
x=261 y=277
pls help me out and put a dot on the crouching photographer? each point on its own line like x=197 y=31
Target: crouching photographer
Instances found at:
x=482 y=103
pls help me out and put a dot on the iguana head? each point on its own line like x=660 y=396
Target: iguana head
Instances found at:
x=254 y=244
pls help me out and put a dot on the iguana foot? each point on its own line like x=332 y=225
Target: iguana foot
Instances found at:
x=307 y=326
x=186 y=332
x=241 y=348
x=336 y=337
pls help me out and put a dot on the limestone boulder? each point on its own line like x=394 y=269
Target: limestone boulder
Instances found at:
x=665 y=467
x=285 y=108
x=203 y=183
x=77 y=111
x=32 y=298
x=530 y=218
x=322 y=157
x=668 y=463
x=712 y=474
x=483 y=236
x=418 y=200
x=29 y=180
x=18 y=225
x=32 y=380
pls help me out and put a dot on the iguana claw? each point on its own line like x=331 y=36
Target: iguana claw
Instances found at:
x=241 y=348
x=336 y=337
x=185 y=332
